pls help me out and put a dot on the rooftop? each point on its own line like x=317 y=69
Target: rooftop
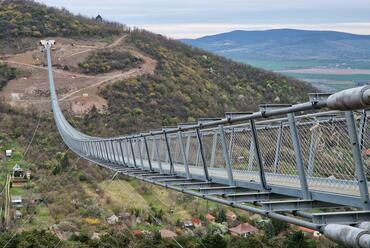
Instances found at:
x=243 y=228
x=166 y=234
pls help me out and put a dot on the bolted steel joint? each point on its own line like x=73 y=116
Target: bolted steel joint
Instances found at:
x=350 y=99
x=347 y=235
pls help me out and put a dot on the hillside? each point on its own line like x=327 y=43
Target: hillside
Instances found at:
x=159 y=81
x=189 y=83
x=22 y=23
x=111 y=81
x=286 y=44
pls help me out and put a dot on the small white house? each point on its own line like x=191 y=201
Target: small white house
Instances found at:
x=8 y=153
x=112 y=220
x=16 y=201
x=17 y=215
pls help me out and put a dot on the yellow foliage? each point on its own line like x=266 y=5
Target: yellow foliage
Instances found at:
x=92 y=221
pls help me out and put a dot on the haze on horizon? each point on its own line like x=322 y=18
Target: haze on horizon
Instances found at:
x=196 y=18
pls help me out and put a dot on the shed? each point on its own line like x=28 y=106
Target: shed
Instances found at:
x=8 y=153
x=187 y=224
x=99 y=18
x=18 y=172
x=16 y=201
x=112 y=220
x=17 y=214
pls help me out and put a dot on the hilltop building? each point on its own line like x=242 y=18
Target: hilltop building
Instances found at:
x=99 y=18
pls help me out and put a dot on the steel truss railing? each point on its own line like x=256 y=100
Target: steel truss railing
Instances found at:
x=293 y=167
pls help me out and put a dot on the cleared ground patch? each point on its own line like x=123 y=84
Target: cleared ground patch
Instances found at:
x=78 y=92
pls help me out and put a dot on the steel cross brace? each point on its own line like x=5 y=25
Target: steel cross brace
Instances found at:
x=349 y=217
x=252 y=197
x=294 y=205
x=219 y=190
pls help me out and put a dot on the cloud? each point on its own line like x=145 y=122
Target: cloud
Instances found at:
x=195 y=30
x=195 y=18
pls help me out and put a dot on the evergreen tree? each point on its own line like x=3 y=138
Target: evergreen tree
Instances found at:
x=299 y=240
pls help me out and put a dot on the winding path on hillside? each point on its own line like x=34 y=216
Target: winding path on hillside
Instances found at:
x=146 y=68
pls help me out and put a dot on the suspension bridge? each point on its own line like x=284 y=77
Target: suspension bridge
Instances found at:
x=294 y=163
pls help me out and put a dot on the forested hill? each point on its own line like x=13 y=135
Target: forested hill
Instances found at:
x=187 y=83
x=286 y=44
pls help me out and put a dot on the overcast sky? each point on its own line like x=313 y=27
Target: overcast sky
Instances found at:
x=195 y=18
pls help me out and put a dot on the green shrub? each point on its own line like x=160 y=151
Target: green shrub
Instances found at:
x=25 y=18
x=106 y=61
x=6 y=74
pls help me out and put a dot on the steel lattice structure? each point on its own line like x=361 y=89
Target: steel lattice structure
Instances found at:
x=276 y=162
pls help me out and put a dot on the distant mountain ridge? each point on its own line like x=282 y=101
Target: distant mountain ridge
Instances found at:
x=282 y=44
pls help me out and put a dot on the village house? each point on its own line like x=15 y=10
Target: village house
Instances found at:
x=367 y=153
x=17 y=214
x=8 y=153
x=210 y=218
x=230 y=216
x=309 y=232
x=187 y=224
x=16 y=201
x=19 y=176
x=196 y=222
x=167 y=234
x=243 y=230
x=112 y=220
x=137 y=232
x=95 y=236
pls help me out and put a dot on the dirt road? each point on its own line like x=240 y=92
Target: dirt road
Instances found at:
x=78 y=92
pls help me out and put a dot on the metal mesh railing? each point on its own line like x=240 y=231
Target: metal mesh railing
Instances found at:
x=364 y=136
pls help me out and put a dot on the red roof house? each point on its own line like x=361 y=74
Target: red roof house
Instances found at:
x=367 y=152
x=137 y=232
x=230 y=216
x=210 y=218
x=310 y=232
x=196 y=222
x=244 y=230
